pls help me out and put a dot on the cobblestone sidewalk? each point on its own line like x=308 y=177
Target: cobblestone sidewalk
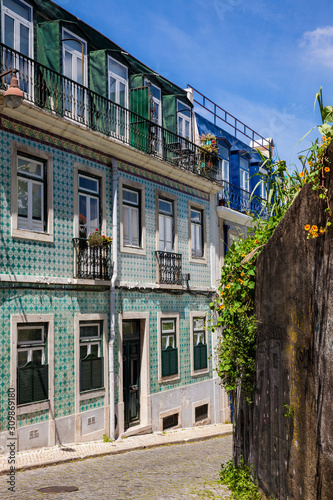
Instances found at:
x=58 y=454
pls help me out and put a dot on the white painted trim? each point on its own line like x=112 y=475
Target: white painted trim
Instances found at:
x=48 y=236
x=172 y=378
x=26 y=319
x=139 y=187
x=91 y=394
x=231 y=215
x=145 y=405
x=51 y=280
x=205 y=371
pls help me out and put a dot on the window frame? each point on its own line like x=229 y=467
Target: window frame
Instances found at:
x=186 y=119
x=224 y=163
x=26 y=321
x=89 y=342
x=133 y=186
x=244 y=174
x=47 y=235
x=199 y=208
x=99 y=392
x=90 y=195
x=193 y=315
x=171 y=198
x=120 y=114
x=18 y=19
x=160 y=318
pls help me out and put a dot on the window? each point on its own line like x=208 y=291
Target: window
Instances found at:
x=91 y=359
x=166 y=225
x=32 y=367
x=199 y=343
x=184 y=120
x=244 y=174
x=196 y=233
x=31 y=180
x=74 y=50
x=201 y=413
x=131 y=217
x=170 y=421
x=118 y=93
x=155 y=116
x=223 y=173
x=169 y=357
x=89 y=204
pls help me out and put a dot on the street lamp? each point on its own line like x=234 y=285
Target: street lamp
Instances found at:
x=13 y=95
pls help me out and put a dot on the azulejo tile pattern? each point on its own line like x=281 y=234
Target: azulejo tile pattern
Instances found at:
x=90 y=404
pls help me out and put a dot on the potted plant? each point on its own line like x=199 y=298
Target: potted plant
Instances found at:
x=210 y=149
x=97 y=239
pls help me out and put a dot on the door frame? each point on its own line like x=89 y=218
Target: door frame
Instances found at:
x=145 y=404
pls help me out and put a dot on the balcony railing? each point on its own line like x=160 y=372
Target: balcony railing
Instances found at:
x=91 y=262
x=238 y=199
x=169 y=268
x=64 y=97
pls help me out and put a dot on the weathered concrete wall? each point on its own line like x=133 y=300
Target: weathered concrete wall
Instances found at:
x=293 y=455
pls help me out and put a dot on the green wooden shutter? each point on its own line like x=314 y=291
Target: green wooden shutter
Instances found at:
x=200 y=356
x=139 y=105
x=32 y=383
x=91 y=373
x=169 y=361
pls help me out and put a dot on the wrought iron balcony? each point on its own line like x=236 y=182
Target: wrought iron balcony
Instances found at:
x=91 y=262
x=169 y=268
x=238 y=199
x=61 y=96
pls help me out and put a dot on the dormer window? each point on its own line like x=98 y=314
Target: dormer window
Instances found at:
x=118 y=93
x=183 y=120
x=244 y=174
x=223 y=164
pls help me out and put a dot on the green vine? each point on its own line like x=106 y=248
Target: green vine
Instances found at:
x=234 y=306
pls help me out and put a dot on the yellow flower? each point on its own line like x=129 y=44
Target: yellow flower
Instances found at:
x=256 y=241
x=222 y=306
x=243 y=255
x=310 y=163
x=327 y=169
x=314 y=228
x=301 y=174
x=228 y=286
x=242 y=274
x=241 y=281
x=307 y=227
x=321 y=230
x=222 y=293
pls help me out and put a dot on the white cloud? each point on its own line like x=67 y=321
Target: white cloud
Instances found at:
x=318 y=46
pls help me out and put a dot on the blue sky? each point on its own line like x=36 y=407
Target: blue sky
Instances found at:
x=261 y=61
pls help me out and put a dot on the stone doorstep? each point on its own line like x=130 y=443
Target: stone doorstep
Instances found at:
x=137 y=430
x=54 y=455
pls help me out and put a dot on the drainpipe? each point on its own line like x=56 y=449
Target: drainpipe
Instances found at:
x=113 y=293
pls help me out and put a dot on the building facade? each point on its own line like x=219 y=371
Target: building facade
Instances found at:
x=101 y=337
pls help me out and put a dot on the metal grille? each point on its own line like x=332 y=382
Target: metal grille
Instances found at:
x=61 y=96
x=92 y=262
x=169 y=268
x=238 y=199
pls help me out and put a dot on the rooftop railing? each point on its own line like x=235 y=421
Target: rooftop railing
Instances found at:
x=64 y=97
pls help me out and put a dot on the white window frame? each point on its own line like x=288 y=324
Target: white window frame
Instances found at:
x=155 y=100
x=26 y=232
x=160 y=317
x=28 y=223
x=245 y=180
x=202 y=209
x=119 y=80
x=141 y=250
x=193 y=315
x=90 y=195
x=17 y=21
x=170 y=198
x=25 y=320
x=185 y=119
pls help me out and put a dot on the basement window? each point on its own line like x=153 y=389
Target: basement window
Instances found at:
x=170 y=421
x=201 y=413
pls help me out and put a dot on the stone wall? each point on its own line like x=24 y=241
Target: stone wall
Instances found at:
x=287 y=433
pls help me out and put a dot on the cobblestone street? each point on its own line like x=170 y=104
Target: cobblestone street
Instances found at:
x=165 y=473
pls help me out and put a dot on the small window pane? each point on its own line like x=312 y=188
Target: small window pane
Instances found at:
x=168 y=326
x=118 y=69
x=19 y=8
x=112 y=93
x=195 y=216
x=88 y=184
x=68 y=65
x=155 y=91
x=37 y=355
x=122 y=94
x=31 y=167
x=182 y=108
x=22 y=197
x=37 y=200
x=89 y=331
x=83 y=351
x=94 y=350
x=243 y=163
x=22 y=358
x=26 y=335
x=199 y=323
x=224 y=152
x=135 y=227
x=9 y=32
x=165 y=207
x=24 y=40
x=94 y=214
x=131 y=197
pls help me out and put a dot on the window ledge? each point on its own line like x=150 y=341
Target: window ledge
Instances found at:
x=32 y=235
x=133 y=250
x=199 y=373
x=92 y=394
x=172 y=378
x=32 y=407
x=201 y=260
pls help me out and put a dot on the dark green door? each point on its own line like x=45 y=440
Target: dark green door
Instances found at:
x=131 y=371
